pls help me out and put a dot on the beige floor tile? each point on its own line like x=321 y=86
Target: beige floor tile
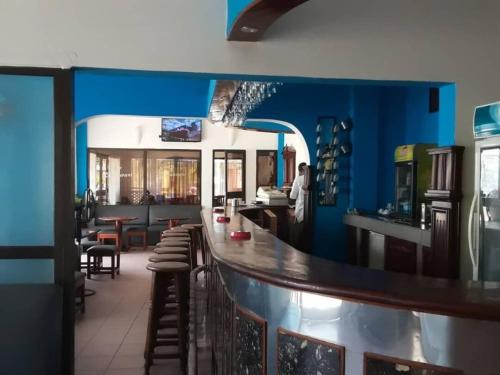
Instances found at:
x=93 y=362
x=127 y=361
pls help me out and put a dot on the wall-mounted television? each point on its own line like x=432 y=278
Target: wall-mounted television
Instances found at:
x=180 y=130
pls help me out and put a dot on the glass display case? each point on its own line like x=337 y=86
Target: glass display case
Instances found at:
x=413 y=167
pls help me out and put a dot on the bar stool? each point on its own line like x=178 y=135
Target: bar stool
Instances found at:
x=172 y=250
x=95 y=257
x=170 y=242
x=176 y=317
x=176 y=229
x=157 y=258
x=196 y=232
x=174 y=234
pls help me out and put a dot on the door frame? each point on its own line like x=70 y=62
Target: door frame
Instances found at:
x=63 y=252
x=263 y=153
x=244 y=182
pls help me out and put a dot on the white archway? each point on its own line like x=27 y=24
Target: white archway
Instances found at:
x=295 y=130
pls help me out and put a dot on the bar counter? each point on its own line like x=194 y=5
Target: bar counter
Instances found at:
x=363 y=321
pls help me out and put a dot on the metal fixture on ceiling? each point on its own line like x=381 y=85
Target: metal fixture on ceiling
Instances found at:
x=248 y=97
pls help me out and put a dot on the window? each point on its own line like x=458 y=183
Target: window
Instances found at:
x=173 y=176
x=228 y=175
x=145 y=176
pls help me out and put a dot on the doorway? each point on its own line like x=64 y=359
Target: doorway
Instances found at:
x=266 y=168
x=229 y=170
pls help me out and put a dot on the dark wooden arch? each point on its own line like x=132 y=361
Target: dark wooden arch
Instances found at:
x=257 y=17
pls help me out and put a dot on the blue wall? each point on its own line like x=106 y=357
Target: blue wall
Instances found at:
x=404 y=118
x=101 y=92
x=301 y=105
x=384 y=117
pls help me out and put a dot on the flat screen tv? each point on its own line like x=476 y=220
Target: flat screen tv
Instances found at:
x=180 y=130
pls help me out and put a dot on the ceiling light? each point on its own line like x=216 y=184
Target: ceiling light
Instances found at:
x=249 y=29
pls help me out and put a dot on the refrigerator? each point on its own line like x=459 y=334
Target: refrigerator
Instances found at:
x=484 y=215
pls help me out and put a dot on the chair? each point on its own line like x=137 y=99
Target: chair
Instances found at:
x=137 y=232
x=95 y=257
x=108 y=234
x=80 y=291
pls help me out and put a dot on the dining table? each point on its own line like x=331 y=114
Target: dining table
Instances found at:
x=118 y=220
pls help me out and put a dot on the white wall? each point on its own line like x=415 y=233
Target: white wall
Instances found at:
x=301 y=153
x=445 y=40
x=143 y=132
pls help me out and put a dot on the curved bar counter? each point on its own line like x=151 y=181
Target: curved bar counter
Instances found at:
x=276 y=310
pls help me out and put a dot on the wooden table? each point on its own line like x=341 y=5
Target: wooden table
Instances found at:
x=171 y=221
x=118 y=220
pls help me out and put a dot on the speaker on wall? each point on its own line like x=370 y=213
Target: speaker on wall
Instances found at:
x=433 y=99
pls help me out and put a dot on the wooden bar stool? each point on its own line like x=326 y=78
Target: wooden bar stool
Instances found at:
x=95 y=256
x=171 y=242
x=174 y=234
x=176 y=229
x=172 y=250
x=196 y=232
x=176 y=317
x=157 y=258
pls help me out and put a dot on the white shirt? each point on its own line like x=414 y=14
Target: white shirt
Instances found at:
x=297 y=193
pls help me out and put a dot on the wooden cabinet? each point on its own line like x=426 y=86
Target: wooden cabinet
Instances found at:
x=400 y=255
x=445 y=194
x=444 y=256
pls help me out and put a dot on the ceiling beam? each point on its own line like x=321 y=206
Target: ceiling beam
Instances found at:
x=257 y=17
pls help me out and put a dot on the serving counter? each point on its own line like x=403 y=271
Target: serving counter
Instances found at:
x=275 y=310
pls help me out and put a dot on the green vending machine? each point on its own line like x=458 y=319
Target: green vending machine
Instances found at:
x=413 y=176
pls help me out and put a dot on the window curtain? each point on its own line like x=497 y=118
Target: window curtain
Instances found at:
x=114 y=181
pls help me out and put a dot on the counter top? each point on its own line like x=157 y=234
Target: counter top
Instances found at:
x=391 y=228
x=268 y=259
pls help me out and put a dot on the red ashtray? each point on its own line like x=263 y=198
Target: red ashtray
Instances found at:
x=218 y=210
x=240 y=235
x=223 y=219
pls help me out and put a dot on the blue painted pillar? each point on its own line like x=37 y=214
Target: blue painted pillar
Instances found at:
x=81 y=159
x=280 y=164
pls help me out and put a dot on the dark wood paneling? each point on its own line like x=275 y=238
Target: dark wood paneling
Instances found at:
x=258 y=17
x=445 y=193
x=444 y=255
x=65 y=250
x=26 y=252
x=400 y=255
x=446 y=180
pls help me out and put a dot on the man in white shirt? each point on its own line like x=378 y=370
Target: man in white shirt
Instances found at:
x=297 y=194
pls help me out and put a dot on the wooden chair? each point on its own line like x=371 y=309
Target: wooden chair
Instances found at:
x=137 y=232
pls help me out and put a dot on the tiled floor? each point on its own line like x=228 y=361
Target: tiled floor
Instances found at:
x=110 y=336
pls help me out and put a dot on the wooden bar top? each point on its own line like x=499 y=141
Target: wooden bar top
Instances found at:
x=268 y=259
